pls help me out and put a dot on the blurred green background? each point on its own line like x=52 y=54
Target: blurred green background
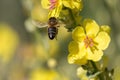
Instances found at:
x=27 y=53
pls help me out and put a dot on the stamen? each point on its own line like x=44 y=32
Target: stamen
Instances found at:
x=88 y=42
x=53 y=3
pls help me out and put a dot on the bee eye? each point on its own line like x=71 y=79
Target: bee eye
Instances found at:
x=53 y=19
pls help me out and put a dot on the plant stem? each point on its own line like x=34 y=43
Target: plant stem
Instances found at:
x=72 y=16
x=100 y=76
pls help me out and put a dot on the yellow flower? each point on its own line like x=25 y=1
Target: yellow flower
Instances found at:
x=82 y=74
x=72 y=4
x=89 y=43
x=8 y=42
x=45 y=74
x=55 y=6
x=105 y=28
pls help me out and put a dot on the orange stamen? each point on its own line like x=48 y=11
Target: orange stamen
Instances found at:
x=88 y=42
x=52 y=4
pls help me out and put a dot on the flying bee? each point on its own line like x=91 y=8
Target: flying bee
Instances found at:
x=52 y=27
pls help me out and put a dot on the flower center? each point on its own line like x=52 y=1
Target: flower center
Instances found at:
x=53 y=4
x=88 y=42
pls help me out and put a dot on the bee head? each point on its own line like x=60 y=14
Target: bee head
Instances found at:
x=52 y=21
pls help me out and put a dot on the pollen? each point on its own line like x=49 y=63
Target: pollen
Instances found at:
x=88 y=42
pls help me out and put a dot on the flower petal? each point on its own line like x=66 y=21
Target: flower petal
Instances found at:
x=78 y=4
x=67 y=4
x=77 y=53
x=45 y=4
x=77 y=48
x=89 y=54
x=82 y=50
x=78 y=34
x=97 y=55
x=81 y=72
x=102 y=40
x=73 y=4
x=74 y=59
x=73 y=47
x=91 y=27
x=105 y=28
x=55 y=12
x=94 y=55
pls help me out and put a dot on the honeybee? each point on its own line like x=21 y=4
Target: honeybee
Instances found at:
x=52 y=27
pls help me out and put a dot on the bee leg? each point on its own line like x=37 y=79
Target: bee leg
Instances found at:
x=57 y=25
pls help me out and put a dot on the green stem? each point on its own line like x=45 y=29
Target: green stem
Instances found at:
x=72 y=16
x=94 y=65
x=100 y=76
x=69 y=19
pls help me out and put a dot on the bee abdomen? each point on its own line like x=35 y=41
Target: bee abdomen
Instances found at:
x=52 y=32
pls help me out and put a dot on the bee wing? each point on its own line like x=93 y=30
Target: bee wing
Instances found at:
x=39 y=24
